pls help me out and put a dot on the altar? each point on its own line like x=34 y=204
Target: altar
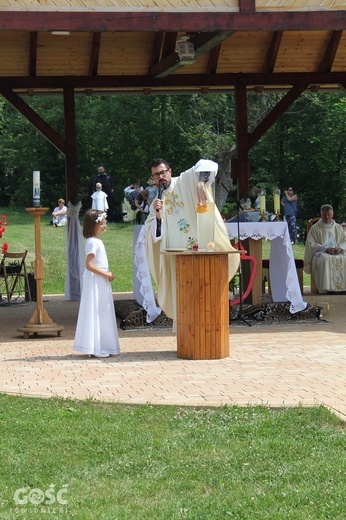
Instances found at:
x=282 y=271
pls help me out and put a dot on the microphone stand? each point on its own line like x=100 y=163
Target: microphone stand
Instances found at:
x=240 y=316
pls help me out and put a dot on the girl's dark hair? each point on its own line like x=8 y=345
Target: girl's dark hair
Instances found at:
x=89 y=222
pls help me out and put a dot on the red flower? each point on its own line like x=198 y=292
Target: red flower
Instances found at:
x=3 y=221
x=4 y=248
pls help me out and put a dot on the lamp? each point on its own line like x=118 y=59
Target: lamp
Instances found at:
x=185 y=50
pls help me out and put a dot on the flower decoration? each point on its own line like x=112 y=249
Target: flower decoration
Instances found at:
x=211 y=246
x=101 y=218
x=192 y=244
x=3 y=222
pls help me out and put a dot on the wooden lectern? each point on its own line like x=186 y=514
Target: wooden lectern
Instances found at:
x=40 y=321
x=202 y=305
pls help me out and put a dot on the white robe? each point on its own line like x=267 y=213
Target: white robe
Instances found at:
x=96 y=330
x=328 y=270
x=99 y=201
x=179 y=225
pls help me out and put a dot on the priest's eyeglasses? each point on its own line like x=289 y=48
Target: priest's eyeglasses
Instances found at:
x=158 y=174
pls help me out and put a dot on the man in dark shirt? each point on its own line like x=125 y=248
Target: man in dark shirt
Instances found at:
x=106 y=181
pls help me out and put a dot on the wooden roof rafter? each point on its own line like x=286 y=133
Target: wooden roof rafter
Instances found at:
x=94 y=54
x=33 y=53
x=329 y=56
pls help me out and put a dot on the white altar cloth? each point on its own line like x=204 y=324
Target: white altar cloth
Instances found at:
x=282 y=270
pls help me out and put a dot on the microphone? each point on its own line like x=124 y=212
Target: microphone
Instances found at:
x=159 y=194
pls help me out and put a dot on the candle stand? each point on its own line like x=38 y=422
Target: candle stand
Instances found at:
x=40 y=321
x=277 y=217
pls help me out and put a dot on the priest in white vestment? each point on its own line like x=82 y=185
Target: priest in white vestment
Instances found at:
x=325 y=250
x=172 y=224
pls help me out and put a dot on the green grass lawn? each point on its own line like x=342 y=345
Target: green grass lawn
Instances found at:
x=20 y=235
x=146 y=462
x=64 y=459
x=118 y=239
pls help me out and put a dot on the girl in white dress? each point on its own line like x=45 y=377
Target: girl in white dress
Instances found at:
x=96 y=333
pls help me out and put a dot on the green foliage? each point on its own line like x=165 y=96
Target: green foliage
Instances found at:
x=305 y=147
x=131 y=462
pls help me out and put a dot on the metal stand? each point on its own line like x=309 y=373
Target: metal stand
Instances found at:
x=40 y=321
x=240 y=315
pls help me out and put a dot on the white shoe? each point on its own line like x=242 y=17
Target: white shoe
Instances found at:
x=102 y=355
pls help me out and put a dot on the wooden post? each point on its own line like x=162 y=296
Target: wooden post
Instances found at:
x=40 y=321
x=254 y=248
x=202 y=305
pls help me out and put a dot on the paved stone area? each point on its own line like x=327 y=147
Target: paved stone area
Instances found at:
x=275 y=365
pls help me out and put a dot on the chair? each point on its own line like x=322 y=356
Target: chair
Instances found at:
x=310 y=223
x=14 y=277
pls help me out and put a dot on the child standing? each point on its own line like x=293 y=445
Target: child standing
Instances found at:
x=99 y=199
x=96 y=333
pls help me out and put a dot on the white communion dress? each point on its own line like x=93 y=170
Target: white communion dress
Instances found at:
x=96 y=331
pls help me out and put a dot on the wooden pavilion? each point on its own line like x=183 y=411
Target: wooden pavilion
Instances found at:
x=93 y=47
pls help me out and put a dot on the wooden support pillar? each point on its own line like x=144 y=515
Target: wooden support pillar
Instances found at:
x=242 y=141
x=71 y=145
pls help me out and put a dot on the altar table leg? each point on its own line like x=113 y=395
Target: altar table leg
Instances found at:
x=253 y=248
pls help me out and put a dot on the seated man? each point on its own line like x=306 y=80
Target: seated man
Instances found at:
x=325 y=253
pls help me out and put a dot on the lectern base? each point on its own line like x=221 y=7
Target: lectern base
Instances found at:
x=202 y=305
x=35 y=329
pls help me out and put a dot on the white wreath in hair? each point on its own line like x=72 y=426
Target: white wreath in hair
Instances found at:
x=101 y=217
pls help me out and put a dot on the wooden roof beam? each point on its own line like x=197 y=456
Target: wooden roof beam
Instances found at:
x=329 y=56
x=273 y=51
x=94 y=54
x=283 y=79
x=332 y=48
x=153 y=21
x=33 y=118
x=33 y=53
x=271 y=57
x=156 y=49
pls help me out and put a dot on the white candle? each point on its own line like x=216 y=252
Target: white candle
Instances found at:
x=276 y=203
x=36 y=188
x=263 y=203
